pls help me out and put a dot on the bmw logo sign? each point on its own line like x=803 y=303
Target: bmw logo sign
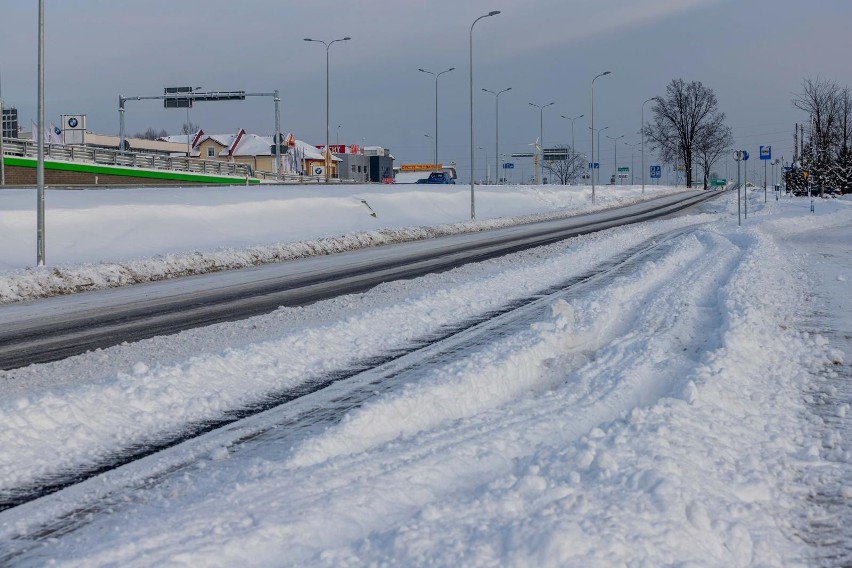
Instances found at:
x=318 y=170
x=72 y=122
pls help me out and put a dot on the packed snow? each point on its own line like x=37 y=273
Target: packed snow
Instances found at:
x=658 y=414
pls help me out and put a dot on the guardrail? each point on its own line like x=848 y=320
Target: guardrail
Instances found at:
x=291 y=177
x=106 y=156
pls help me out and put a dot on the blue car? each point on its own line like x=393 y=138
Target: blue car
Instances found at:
x=440 y=177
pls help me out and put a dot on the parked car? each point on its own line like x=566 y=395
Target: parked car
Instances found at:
x=440 y=177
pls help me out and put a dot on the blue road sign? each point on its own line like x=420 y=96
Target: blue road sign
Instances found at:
x=594 y=165
x=508 y=166
x=745 y=155
x=766 y=152
x=656 y=172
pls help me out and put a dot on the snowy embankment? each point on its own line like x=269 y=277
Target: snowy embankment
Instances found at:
x=651 y=418
x=107 y=238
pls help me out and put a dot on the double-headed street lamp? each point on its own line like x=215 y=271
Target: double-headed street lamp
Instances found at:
x=472 y=202
x=497 y=129
x=573 y=148
x=572 y=127
x=327 y=148
x=642 y=131
x=615 y=156
x=436 y=75
x=541 y=134
x=593 y=131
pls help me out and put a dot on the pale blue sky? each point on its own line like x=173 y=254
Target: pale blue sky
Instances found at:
x=753 y=53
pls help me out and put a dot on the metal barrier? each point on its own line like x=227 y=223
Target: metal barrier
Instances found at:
x=106 y=156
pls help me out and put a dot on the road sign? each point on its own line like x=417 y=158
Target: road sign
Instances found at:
x=718 y=182
x=745 y=155
x=624 y=169
x=656 y=172
x=623 y=176
x=766 y=152
x=508 y=166
x=594 y=165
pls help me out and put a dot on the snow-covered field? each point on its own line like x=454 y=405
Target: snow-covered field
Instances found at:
x=660 y=414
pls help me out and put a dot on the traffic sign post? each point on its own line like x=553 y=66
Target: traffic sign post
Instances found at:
x=765 y=155
x=656 y=172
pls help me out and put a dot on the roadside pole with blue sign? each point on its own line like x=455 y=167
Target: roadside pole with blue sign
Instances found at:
x=656 y=172
x=765 y=155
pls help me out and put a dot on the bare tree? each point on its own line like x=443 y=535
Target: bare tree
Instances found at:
x=687 y=113
x=151 y=134
x=712 y=142
x=567 y=169
x=189 y=128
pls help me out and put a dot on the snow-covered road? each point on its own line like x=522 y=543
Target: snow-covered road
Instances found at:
x=655 y=414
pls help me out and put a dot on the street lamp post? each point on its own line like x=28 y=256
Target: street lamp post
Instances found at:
x=40 y=236
x=541 y=134
x=573 y=148
x=615 y=156
x=485 y=162
x=599 y=130
x=497 y=129
x=327 y=105
x=642 y=132
x=436 y=75
x=632 y=156
x=593 y=131
x=430 y=137
x=472 y=202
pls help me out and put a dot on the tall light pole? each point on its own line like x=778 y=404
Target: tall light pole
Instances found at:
x=337 y=139
x=485 y=162
x=497 y=129
x=642 y=131
x=615 y=156
x=593 y=131
x=541 y=134
x=430 y=137
x=472 y=202
x=436 y=75
x=573 y=148
x=40 y=162
x=632 y=152
x=327 y=81
x=599 y=130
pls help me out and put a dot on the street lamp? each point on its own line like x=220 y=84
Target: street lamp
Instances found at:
x=436 y=75
x=615 y=157
x=430 y=137
x=486 y=163
x=337 y=139
x=599 y=130
x=573 y=149
x=497 y=129
x=541 y=134
x=632 y=152
x=327 y=80
x=472 y=202
x=40 y=157
x=593 y=131
x=642 y=131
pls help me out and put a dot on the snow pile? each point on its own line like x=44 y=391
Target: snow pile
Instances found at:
x=92 y=244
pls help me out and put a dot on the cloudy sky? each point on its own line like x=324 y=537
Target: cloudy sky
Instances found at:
x=753 y=53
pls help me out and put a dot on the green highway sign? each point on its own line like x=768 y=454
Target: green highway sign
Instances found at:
x=624 y=169
x=719 y=182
